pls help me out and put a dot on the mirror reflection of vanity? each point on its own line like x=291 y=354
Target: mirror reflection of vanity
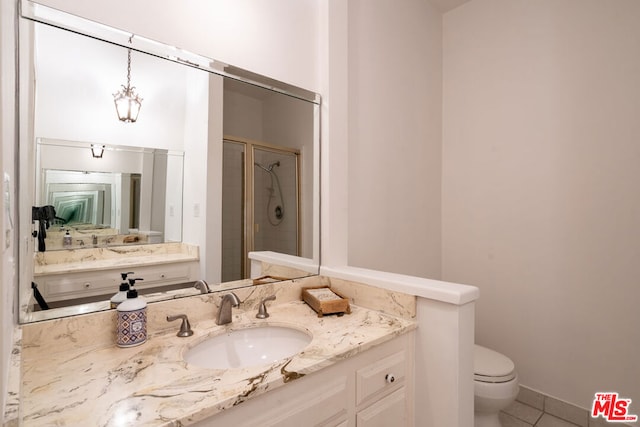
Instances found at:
x=128 y=195
x=221 y=162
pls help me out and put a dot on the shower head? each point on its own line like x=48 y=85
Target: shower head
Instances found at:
x=277 y=163
x=270 y=168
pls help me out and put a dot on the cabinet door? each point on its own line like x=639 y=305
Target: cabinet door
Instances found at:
x=322 y=402
x=388 y=411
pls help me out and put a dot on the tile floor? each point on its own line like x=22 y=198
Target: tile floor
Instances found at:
x=535 y=409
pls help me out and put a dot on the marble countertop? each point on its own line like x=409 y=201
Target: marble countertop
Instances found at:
x=151 y=385
x=96 y=259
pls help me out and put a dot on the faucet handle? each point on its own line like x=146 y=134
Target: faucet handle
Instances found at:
x=262 y=309
x=185 y=326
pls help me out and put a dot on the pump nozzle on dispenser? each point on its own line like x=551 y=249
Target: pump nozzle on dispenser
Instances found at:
x=133 y=293
x=121 y=295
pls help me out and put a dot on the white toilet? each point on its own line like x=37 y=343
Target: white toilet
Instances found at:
x=495 y=385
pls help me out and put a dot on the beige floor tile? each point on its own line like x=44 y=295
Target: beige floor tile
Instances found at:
x=524 y=412
x=509 y=421
x=551 y=421
x=566 y=411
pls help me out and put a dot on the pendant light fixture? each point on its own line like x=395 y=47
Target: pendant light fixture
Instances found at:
x=97 y=150
x=127 y=102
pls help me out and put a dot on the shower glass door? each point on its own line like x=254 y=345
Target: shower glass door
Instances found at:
x=261 y=206
x=233 y=211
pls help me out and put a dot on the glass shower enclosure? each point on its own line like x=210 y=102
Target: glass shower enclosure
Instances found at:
x=261 y=208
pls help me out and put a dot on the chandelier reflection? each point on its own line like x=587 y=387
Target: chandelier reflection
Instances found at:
x=127 y=102
x=97 y=150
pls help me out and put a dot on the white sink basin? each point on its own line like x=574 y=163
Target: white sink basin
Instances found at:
x=243 y=348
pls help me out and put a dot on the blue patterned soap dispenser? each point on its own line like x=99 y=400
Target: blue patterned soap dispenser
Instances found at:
x=132 y=319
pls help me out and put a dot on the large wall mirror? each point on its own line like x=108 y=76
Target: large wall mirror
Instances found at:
x=218 y=158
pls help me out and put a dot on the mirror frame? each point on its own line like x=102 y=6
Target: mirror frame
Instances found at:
x=38 y=13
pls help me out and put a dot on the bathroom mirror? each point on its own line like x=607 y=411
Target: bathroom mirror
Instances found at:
x=240 y=153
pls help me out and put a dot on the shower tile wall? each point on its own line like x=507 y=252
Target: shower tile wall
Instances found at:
x=283 y=237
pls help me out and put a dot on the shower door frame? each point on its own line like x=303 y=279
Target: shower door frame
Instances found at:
x=248 y=238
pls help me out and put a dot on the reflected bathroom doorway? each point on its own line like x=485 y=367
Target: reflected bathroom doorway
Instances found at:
x=260 y=203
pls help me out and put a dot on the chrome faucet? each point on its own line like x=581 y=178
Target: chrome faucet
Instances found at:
x=224 y=312
x=203 y=286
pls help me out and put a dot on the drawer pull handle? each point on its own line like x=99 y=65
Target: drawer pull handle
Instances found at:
x=390 y=378
x=87 y=285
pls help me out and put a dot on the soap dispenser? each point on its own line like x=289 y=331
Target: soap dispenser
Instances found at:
x=121 y=295
x=131 y=328
x=66 y=240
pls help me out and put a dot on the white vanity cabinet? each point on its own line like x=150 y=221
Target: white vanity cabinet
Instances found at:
x=372 y=389
x=380 y=392
x=75 y=285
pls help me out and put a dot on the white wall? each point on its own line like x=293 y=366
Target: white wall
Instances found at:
x=202 y=105
x=243 y=113
x=394 y=136
x=277 y=38
x=541 y=208
x=7 y=138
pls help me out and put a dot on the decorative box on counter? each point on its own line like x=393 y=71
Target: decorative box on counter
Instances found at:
x=324 y=300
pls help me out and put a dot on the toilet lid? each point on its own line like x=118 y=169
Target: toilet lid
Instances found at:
x=491 y=366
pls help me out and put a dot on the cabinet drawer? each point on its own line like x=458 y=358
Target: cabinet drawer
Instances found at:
x=381 y=376
x=74 y=286
x=163 y=274
x=90 y=284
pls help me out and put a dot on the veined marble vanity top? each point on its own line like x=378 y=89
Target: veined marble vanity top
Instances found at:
x=91 y=259
x=151 y=384
x=84 y=237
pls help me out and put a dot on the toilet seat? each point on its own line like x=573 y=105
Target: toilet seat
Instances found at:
x=489 y=366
